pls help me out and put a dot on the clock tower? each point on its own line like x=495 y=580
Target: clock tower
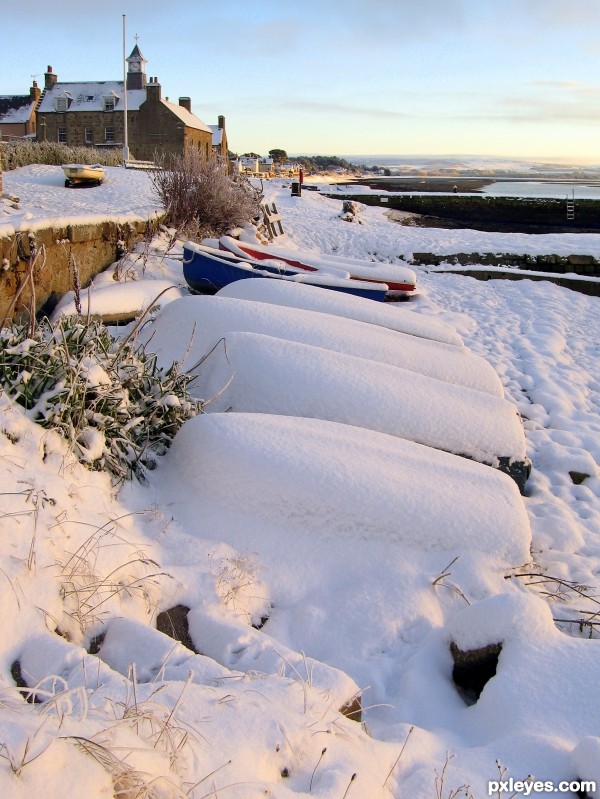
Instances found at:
x=136 y=75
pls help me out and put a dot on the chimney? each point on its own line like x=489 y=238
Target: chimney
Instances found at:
x=50 y=79
x=34 y=92
x=222 y=122
x=153 y=90
x=185 y=102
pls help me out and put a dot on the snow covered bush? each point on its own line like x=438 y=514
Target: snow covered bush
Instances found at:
x=22 y=153
x=200 y=196
x=107 y=398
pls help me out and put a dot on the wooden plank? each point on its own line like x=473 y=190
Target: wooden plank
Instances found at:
x=272 y=220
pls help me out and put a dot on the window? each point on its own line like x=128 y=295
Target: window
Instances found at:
x=109 y=103
x=89 y=136
x=61 y=104
x=109 y=135
x=62 y=135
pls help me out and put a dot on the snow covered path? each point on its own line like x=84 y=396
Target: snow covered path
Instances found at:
x=317 y=559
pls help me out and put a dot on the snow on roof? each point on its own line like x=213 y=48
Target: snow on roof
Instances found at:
x=217 y=135
x=16 y=108
x=89 y=96
x=136 y=53
x=188 y=119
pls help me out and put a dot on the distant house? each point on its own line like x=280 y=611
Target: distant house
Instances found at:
x=266 y=166
x=18 y=113
x=290 y=168
x=248 y=165
x=91 y=113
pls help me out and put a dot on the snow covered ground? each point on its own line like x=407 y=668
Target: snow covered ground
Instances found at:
x=322 y=555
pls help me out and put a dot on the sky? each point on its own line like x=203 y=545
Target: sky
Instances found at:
x=516 y=78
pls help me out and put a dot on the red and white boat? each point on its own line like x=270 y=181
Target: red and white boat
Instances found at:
x=400 y=279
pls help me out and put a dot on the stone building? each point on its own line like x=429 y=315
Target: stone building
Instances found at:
x=92 y=113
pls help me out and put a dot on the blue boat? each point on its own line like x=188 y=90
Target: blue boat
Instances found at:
x=206 y=270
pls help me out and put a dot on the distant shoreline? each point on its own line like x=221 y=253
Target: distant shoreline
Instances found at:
x=460 y=184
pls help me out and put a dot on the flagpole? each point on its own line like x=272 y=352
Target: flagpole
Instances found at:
x=125 y=137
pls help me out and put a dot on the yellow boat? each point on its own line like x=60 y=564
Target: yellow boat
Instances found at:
x=83 y=173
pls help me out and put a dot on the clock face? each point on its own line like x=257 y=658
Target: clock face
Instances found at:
x=135 y=66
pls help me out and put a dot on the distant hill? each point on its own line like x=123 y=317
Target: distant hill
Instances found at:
x=463 y=165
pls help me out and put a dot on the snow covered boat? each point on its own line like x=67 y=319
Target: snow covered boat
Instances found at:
x=207 y=271
x=399 y=279
x=83 y=173
x=258 y=373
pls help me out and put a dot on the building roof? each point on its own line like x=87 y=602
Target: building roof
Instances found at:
x=136 y=53
x=16 y=108
x=89 y=96
x=188 y=119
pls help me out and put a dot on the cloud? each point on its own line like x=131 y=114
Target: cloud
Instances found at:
x=538 y=112
x=559 y=85
x=329 y=107
x=388 y=24
x=583 y=14
x=325 y=108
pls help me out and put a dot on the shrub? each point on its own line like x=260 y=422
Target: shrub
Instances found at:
x=199 y=194
x=22 y=153
x=109 y=400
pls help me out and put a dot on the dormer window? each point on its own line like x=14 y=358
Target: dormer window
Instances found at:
x=109 y=103
x=61 y=104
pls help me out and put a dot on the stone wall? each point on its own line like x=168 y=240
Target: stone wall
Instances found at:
x=526 y=214
x=96 y=121
x=559 y=264
x=91 y=247
x=160 y=129
x=581 y=285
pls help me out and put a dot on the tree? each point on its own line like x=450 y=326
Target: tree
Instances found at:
x=278 y=156
x=199 y=195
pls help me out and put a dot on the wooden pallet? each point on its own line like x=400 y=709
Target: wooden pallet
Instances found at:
x=271 y=220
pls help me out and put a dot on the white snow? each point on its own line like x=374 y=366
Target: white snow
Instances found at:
x=399 y=317
x=254 y=373
x=44 y=199
x=196 y=324
x=297 y=504
x=90 y=96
